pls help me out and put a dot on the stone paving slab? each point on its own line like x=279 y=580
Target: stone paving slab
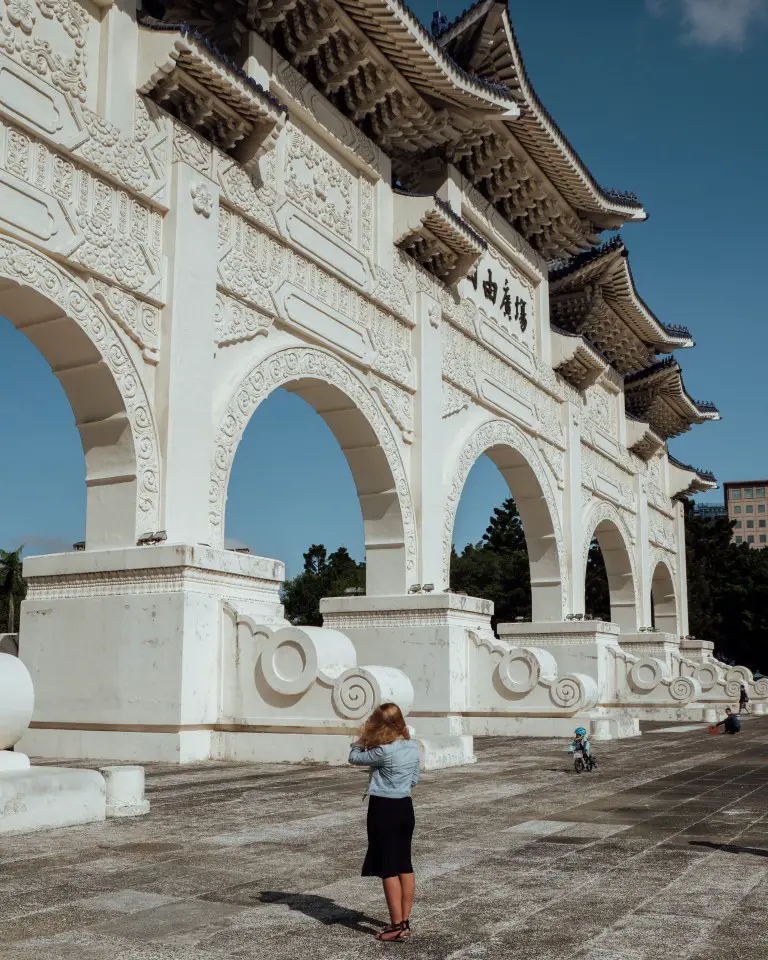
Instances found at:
x=661 y=853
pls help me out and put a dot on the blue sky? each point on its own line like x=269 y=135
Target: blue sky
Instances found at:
x=663 y=97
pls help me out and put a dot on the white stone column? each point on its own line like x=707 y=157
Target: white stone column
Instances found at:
x=185 y=375
x=427 y=453
x=573 y=512
x=681 y=586
x=642 y=555
x=118 y=57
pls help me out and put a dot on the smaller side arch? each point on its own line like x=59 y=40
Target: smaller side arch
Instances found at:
x=663 y=595
x=347 y=405
x=605 y=523
x=528 y=482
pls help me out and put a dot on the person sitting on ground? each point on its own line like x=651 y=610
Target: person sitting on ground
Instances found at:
x=743 y=700
x=731 y=724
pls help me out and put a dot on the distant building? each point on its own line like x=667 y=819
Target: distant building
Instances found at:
x=710 y=510
x=747 y=504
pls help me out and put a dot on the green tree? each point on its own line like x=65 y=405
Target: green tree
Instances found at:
x=497 y=567
x=727 y=590
x=322 y=576
x=13 y=589
x=597 y=599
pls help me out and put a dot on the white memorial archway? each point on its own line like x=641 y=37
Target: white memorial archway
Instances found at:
x=346 y=404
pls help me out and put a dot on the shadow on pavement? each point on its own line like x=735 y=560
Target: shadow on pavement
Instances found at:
x=324 y=909
x=730 y=847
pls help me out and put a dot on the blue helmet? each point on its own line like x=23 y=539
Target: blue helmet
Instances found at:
x=581 y=732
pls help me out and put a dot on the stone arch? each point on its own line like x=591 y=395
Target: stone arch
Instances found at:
x=111 y=408
x=606 y=523
x=347 y=405
x=516 y=458
x=663 y=594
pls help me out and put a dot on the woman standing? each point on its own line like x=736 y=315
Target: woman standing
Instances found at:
x=384 y=745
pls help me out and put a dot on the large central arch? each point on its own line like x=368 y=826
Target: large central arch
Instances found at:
x=111 y=409
x=605 y=523
x=516 y=458
x=348 y=407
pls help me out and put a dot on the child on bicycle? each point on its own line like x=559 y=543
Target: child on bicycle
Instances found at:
x=581 y=744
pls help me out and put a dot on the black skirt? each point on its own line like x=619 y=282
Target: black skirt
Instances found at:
x=390 y=831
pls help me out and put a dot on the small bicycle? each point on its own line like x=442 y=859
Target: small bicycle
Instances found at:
x=583 y=763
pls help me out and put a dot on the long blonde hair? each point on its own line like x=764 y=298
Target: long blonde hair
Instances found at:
x=385 y=725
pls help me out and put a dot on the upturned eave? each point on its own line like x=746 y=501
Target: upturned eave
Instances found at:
x=576 y=359
x=185 y=73
x=433 y=234
x=536 y=129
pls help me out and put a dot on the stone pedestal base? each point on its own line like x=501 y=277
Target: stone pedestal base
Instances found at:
x=42 y=798
x=125 y=791
x=425 y=636
x=124 y=647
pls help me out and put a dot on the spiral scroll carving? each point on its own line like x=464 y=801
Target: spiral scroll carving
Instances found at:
x=355 y=694
x=761 y=688
x=732 y=689
x=684 y=689
x=575 y=691
x=707 y=675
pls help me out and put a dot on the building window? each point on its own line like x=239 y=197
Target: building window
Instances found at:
x=760 y=491
x=761 y=508
x=749 y=508
x=761 y=523
x=737 y=509
x=750 y=539
x=747 y=493
x=738 y=524
x=738 y=539
x=734 y=493
x=762 y=538
x=750 y=524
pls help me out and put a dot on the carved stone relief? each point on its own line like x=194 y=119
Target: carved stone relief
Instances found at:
x=49 y=37
x=254 y=265
x=235 y=322
x=603 y=477
x=318 y=184
x=139 y=319
x=661 y=530
x=398 y=403
x=454 y=401
x=85 y=219
x=600 y=409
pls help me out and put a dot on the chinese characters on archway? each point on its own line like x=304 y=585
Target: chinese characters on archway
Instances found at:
x=490 y=288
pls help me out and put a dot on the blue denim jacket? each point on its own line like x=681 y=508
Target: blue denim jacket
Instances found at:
x=395 y=768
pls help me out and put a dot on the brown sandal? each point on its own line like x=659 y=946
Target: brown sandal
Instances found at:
x=394 y=932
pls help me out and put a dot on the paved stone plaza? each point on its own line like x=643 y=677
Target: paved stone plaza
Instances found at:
x=662 y=853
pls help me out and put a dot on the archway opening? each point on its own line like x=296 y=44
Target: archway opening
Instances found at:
x=494 y=562
x=99 y=412
x=618 y=569
x=597 y=594
x=663 y=600
x=527 y=585
x=330 y=478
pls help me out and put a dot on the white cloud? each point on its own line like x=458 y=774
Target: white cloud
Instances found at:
x=716 y=23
